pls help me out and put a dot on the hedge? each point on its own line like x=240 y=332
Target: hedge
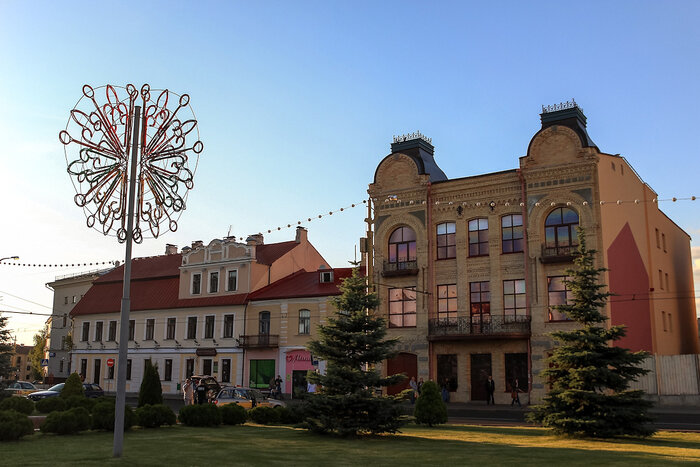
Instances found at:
x=233 y=414
x=14 y=425
x=18 y=404
x=200 y=415
x=153 y=416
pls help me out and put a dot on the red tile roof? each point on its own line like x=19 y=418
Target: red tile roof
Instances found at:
x=302 y=284
x=146 y=268
x=268 y=254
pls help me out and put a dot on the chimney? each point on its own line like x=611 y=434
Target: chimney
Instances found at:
x=254 y=239
x=302 y=234
x=567 y=114
x=197 y=244
x=170 y=249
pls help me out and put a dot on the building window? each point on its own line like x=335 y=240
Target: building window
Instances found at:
x=326 y=277
x=661 y=279
x=232 y=280
x=206 y=366
x=559 y=294
x=402 y=307
x=446 y=240
x=663 y=241
x=150 y=328
x=402 y=247
x=65 y=320
x=228 y=326
x=304 y=321
x=60 y=366
x=447 y=371
x=128 y=369
x=168 y=370
x=516 y=368
x=83 y=368
x=670 y=322
x=512 y=233
x=514 y=299
x=96 y=371
x=480 y=301
x=170 y=330
x=261 y=372
x=196 y=283
x=666 y=278
x=189 y=367
x=112 y=333
x=479 y=237
x=213 y=282
x=75 y=299
x=561 y=238
x=65 y=300
x=98 y=331
x=226 y=370
x=658 y=244
x=447 y=302
x=209 y=327
x=192 y=327
x=264 y=323
x=132 y=329
x=86 y=332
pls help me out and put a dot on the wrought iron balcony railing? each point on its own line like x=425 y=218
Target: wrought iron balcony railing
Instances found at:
x=558 y=254
x=479 y=326
x=259 y=341
x=401 y=268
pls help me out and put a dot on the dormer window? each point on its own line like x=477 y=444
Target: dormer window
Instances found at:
x=196 y=283
x=326 y=277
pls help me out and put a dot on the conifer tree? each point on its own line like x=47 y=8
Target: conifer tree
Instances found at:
x=352 y=343
x=72 y=387
x=6 y=349
x=151 y=391
x=589 y=377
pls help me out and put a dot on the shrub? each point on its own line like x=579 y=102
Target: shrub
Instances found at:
x=233 y=414
x=62 y=423
x=264 y=415
x=150 y=391
x=73 y=387
x=430 y=408
x=82 y=417
x=19 y=404
x=153 y=416
x=103 y=416
x=51 y=404
x=200 y=415
x=80 y=401
x=14 y=425
x=291 y=414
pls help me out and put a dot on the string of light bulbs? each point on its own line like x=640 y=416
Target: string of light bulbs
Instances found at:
x=66 y=265
x=492 y=204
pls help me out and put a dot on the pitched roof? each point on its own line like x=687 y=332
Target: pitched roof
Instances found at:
x=302 y=284
x=268 y=254
x=146 y=268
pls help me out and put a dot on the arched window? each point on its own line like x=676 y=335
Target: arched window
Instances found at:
x=561 y=238
x=402 y=247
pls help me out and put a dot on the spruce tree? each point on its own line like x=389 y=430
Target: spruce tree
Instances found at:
x=589 y=377
x=150 y=392
x=430 y=408
x=352 y=343
x=72 y=387
x=6 y=349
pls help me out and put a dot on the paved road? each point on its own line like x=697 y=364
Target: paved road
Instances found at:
x=666 y=418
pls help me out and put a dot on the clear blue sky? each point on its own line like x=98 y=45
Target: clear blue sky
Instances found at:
x=297 y=103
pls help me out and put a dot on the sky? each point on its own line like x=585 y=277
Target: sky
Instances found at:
x=297 y=103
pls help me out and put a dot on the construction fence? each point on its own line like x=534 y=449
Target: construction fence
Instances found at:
x=670 y=375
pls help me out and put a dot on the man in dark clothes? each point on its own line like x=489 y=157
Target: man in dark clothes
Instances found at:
x=490 y=389
x=201 y=392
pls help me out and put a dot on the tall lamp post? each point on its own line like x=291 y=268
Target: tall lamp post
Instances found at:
x=131 y=178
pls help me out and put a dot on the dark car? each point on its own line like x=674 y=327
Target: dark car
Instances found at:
x=91 y=390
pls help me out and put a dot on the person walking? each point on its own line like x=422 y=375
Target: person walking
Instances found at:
x=515 y=394
x=278 y=387
x=414 y=389
x=490 y=387
x=420 y=385
x=188 y=392
x=201 y=390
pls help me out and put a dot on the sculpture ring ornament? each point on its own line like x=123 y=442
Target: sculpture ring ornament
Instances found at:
x=101 y=130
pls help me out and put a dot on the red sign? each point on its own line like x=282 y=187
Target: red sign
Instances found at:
x=110 y=362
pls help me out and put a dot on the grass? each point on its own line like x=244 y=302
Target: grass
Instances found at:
x=452 y=445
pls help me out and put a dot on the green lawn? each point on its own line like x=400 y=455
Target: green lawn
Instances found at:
x=452 y=445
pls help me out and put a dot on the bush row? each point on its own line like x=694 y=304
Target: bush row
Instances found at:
x=232 y=414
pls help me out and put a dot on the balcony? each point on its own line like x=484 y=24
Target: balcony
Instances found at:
x=259 y=341
x=402 y=268
x=488 y=327
x=558 y=254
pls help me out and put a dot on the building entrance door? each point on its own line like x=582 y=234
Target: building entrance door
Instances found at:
x=406 y=363
x=298 y=383
x=480 y=371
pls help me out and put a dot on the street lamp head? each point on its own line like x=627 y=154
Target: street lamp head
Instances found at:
x=9 y=257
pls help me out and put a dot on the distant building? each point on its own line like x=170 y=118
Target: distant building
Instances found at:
x=467 y=269
x=192 y=314
x=68 y=290
x=21 y=362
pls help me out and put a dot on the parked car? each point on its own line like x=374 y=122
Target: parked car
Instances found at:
x=21 y=388
x=213 y=386
x=245 y=397
x=92 y=390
